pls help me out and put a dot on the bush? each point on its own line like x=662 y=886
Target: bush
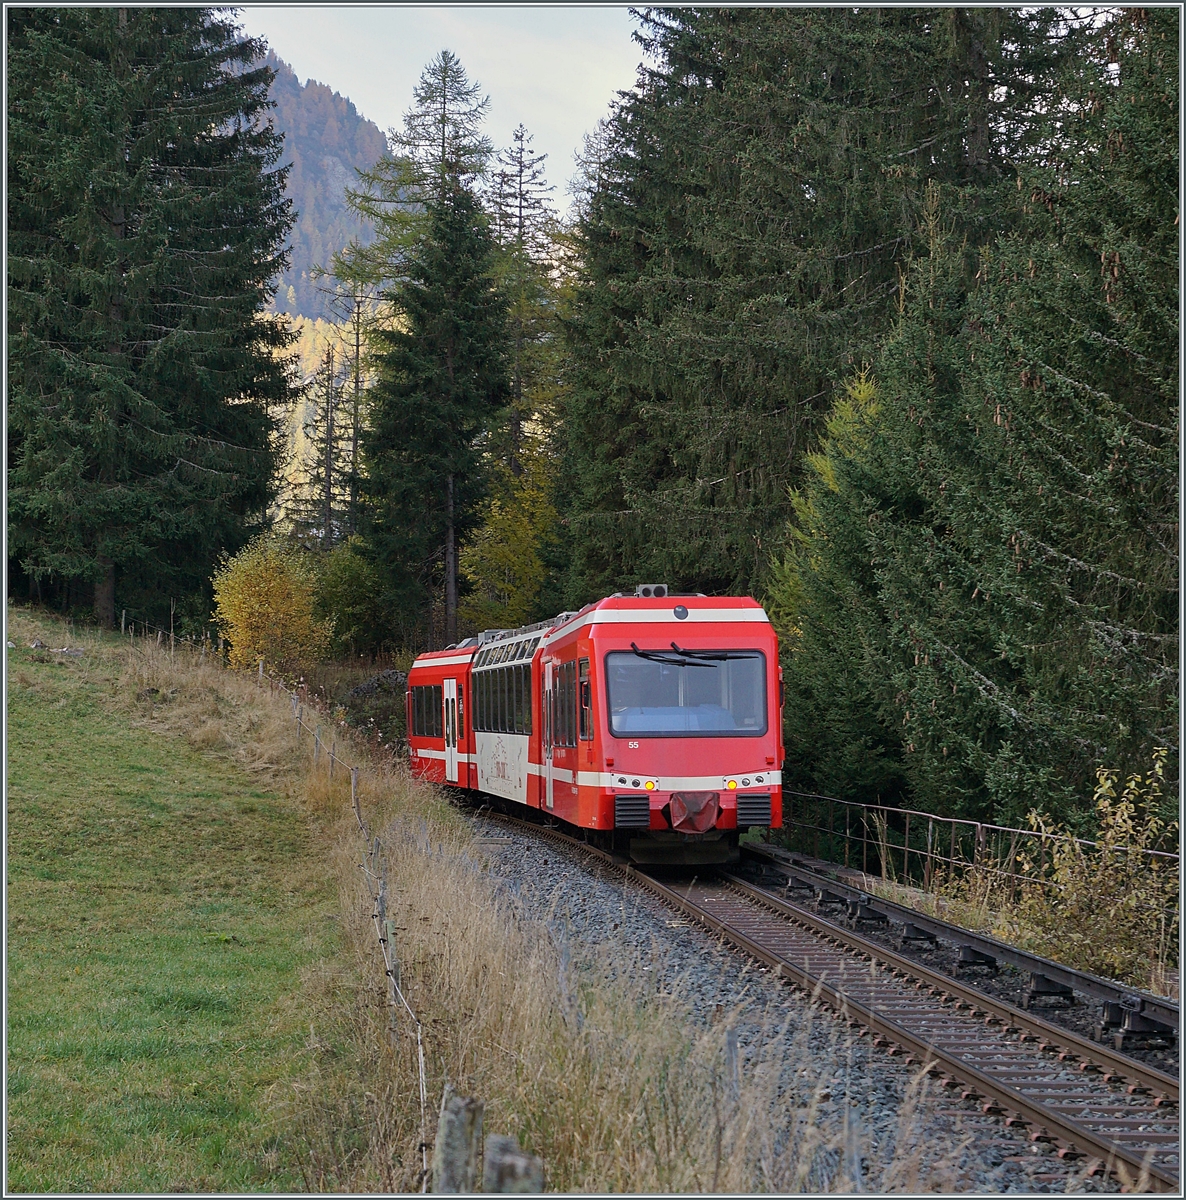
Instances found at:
x=265 y=605
x=349 y=594
x=1110 y=908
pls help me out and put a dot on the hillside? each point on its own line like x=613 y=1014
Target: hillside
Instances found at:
x=325 y=140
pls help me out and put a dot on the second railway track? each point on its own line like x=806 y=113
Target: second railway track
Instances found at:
x=1088 y=1101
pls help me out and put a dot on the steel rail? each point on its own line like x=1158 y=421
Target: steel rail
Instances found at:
x=1092 y=1055
x=945 y=1019
x=1049 y=1123
x=1159 y=1008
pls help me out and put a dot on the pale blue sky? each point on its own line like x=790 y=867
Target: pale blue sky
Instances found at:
x=554 y=68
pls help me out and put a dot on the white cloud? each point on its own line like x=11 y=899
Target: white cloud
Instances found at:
x=553 y=68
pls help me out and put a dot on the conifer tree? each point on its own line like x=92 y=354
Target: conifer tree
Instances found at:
x=983 y=602
x=320 y=515
x=146 y=229
x=741 y=252
x=441 y=379
x=440 y=142
x=503 y=561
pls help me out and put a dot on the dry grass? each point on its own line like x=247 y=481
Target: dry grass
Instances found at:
x=1110 y=909
x=615 y=1087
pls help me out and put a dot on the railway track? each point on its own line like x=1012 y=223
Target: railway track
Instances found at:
x=1133 y=1012
x=1088 y=1101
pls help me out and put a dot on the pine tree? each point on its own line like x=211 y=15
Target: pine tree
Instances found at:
x=440 y=142
x=441 y=379
x=984 y=596
x=320 y=515
x=503 y=564
x=146 y=228
x=740 y=255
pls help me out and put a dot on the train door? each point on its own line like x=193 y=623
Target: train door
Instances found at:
x=549 y=734
x=450 y=730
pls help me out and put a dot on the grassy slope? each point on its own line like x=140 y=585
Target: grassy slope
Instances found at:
x=161 y=907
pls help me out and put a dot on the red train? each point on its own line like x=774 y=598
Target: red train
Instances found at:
x=654 y=719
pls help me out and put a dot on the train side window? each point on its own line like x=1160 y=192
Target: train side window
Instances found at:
x=586 y=701
x=427 y=714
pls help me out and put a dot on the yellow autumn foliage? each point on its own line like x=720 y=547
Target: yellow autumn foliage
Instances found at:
x=265 y=605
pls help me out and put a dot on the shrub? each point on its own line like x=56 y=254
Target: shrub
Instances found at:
x=1111 y=908
x=265 y=604
x=349 y=594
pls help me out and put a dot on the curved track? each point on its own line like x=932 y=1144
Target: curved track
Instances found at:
x=1089 y=1101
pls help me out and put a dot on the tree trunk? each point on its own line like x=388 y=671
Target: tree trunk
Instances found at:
x=450 y=567
x=354 y=423
x=105 y=593
x=327 y=535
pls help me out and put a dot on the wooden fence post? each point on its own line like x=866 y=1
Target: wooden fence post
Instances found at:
x=123 y=616
x=316 y=743
x=333 y=753
x=506 y=1168
x=354 y=793
x=260 y=680
x=455 y=1152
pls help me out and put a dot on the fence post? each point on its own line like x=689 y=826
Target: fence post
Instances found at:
x=260 y=679
x=316 y=743
x=354 y=793
x=506 y=1168
x=459 y=1134
x=300 y=718
x=123 y=616
x=333 y=753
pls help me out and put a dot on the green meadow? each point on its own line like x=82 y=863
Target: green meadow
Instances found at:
x=163 y=907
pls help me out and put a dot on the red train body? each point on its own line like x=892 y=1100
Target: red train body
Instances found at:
x=654 y=719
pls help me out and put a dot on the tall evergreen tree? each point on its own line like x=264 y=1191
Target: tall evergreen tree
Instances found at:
x=146 y=227
x=503 y=561
x=320 y=514
x=441 y=379
x=439 y=143
x=984 y=602
x=742 y=252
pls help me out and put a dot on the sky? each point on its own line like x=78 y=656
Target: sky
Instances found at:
x=554 y=68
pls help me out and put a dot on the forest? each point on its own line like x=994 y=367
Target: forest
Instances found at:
x=871 y=314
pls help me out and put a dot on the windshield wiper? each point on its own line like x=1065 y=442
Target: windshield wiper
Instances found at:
x=664 y=658
x=711 y=655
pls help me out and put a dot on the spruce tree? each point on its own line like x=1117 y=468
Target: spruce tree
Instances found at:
x=741 y=253
x=440 y=380
x=503 y=561
x=983 y=603
x=146 y=225
x=439 y=142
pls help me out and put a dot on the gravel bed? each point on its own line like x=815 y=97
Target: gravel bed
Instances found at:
x=624 y=930
x=1005 y=983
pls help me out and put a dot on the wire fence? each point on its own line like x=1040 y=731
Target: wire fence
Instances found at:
x=926 y=850
x=374 y=868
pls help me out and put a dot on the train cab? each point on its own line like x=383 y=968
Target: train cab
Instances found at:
x=662 y=721
x=439 y=705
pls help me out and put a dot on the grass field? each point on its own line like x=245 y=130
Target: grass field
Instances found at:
x=164 y=905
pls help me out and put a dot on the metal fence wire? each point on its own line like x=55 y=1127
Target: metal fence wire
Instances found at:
x=921 y=849
x=374 y=868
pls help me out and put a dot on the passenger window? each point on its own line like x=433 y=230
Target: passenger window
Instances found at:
x=586 y=702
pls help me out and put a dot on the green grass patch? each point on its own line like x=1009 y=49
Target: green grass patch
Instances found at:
x=162 y=908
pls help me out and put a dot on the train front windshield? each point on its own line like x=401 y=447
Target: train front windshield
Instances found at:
x=693 y=693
